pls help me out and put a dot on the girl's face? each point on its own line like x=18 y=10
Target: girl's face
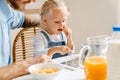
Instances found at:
x=56 y=22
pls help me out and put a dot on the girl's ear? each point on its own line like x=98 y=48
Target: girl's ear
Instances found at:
x=44 y=20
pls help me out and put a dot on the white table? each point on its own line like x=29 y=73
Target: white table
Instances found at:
x=66 y=75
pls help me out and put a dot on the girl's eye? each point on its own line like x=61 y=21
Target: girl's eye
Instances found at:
x=56 y=21
x=59 y=21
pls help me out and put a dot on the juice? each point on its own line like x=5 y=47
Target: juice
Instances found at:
x=95 y=68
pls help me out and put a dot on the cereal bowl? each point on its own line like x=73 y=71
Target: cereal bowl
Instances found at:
x=45 y=71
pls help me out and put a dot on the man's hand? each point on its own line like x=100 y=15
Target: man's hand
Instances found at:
x=43 y=58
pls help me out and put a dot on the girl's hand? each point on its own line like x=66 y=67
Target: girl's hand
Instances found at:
x=62 y=49
x=59 y=49
x=67 y=31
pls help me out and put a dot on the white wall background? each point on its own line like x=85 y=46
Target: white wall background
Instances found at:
x=91 y=17
x=88 y=18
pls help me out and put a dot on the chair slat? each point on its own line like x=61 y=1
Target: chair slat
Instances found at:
x=23 y=44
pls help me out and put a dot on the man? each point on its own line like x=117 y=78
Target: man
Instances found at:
x=11 y=19
x=19 y=5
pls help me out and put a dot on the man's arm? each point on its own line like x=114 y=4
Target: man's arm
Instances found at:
x=20 y=68
x=28 y=21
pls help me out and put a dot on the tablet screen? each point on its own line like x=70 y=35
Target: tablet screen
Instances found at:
x=71 y=62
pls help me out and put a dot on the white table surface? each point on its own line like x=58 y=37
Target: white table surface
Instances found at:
x=66 y=75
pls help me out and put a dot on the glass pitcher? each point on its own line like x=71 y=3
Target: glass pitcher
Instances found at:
x=94 y=62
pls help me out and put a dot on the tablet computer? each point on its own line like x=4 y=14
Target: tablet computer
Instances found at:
x=71 y=62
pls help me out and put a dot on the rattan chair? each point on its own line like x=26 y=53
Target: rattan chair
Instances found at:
x=23 y=44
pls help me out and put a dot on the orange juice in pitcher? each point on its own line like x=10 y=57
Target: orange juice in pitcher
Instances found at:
x=94 y=61
x=95 y=68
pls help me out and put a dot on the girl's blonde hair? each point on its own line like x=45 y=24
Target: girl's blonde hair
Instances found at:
x=49 y=5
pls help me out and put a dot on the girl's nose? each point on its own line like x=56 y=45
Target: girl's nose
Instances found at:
x=62 y=24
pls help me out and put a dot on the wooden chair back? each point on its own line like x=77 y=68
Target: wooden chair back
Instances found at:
x=23 y=44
